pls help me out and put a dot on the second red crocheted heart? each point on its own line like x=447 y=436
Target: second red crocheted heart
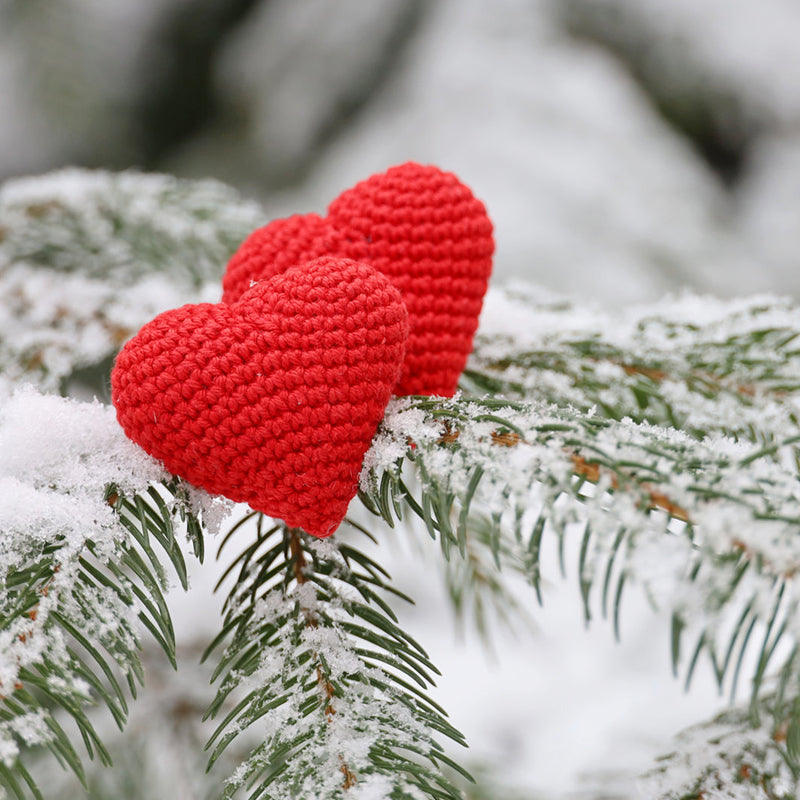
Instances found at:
x=420 y=226
x=272 y=400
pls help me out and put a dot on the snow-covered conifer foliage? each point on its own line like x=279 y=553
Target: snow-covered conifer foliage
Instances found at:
x=86 y=258
x=664 y=437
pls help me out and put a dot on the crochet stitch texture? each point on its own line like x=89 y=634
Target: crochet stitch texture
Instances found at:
x=423 y=229
x=272 y=400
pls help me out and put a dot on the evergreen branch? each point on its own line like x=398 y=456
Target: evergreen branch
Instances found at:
x=734 y=756
x=708 y=528
x=71 y=616
x=82 y=572
x=87 y=257
x=317 y=660
x=696 y=364
x=160 y=752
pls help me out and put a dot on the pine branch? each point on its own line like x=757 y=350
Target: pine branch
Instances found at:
x=71 y=629
x=160 y=752
x=695 y=364
x=82 y=573
x=670 y=439
x=317 y=660
x=734 y=756
x=707 y=528
x=86 y=258
x=479 y=584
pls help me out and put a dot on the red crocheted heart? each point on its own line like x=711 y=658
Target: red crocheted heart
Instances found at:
x=272 y=400
x=425 y=231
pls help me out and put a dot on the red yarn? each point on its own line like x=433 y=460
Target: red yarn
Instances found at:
x=425 y=231
x=274 y=399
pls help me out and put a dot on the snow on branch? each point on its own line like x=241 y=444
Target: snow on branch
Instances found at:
x=696 y=364
x=87 y=257
x=706 y=526
x=318 y=666
x=729 y=757
x=666 y=438
x=81 y=578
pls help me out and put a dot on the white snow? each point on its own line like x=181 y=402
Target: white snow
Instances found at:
x=58 y=457
x=54 y=443
x=86 y=258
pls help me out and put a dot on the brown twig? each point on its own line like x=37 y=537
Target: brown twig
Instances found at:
x=299 y=564
x=507 y=439
x=593 y=472
x=298 y=558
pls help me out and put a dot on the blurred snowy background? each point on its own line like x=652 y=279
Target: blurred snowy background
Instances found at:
x=625 y=149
